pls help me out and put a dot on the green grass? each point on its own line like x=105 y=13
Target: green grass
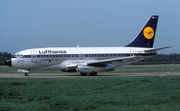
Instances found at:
x=6 y=70
x=154 y=93
x=147 y=68
x=98 y=93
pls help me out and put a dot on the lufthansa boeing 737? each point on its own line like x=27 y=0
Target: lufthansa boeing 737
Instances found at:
x=88 y=60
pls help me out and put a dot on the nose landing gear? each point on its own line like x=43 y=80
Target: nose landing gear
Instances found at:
x=26 y=72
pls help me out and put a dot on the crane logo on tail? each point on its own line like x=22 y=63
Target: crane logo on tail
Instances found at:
x=148 y=33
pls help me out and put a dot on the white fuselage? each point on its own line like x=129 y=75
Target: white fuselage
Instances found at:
x=52 y=58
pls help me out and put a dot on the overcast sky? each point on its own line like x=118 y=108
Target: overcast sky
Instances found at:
x=28 y=24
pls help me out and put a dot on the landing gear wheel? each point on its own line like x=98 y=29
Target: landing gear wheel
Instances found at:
x=83 y=74
x=93 y=74
x=26 y=74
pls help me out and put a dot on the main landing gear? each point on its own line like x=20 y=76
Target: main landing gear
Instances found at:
x=83 y=74
x=92 y=74
x=26 y=74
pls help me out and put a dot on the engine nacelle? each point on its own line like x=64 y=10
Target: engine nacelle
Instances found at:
x=66 y=66
x=90 y=69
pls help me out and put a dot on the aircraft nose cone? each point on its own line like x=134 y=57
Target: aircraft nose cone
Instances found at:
x=8 y=62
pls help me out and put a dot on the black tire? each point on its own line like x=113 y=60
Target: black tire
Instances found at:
x=26 y=74
x=83 y=74
x=93 y=74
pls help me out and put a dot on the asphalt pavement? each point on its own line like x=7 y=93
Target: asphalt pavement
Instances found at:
x=72 y=75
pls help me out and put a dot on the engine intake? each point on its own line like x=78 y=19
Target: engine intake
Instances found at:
x=66 y=66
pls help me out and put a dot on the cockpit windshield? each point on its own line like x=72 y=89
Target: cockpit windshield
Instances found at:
x=17 y=55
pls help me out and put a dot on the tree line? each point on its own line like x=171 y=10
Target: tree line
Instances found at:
x=4 y=56
x=172 y=58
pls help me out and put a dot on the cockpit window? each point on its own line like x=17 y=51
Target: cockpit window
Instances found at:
x=18 y=55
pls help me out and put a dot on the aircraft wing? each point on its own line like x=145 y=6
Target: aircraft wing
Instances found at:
x=158 y=48
x=70 y=64
x=104 y=61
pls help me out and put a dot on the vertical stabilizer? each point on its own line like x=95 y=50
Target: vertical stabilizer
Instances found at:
x=146 y=36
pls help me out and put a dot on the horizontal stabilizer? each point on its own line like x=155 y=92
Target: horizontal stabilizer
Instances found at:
x=158 y=48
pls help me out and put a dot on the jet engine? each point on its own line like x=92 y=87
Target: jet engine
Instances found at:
x=66 y=66
x=90 y=68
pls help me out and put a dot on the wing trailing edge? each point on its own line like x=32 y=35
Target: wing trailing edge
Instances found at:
x=109 y=60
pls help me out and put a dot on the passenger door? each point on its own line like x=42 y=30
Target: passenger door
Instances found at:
x=33 y=56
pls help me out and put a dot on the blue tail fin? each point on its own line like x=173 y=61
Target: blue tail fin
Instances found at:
x=146 y=36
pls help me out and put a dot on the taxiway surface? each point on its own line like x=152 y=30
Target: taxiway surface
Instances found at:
x=78 y=75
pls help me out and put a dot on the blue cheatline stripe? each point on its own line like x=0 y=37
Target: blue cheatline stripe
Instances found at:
x=86 y=55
